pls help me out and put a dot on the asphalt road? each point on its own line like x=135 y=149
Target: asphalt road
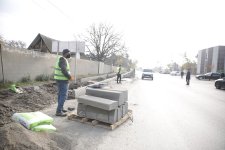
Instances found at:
x=168 y=115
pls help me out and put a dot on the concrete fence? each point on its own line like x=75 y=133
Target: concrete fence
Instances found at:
x=16 y=64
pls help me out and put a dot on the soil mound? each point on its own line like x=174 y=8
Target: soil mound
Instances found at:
x=14 y=136
x=32 y=99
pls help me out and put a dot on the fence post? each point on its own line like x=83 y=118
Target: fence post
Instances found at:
x=2 y=63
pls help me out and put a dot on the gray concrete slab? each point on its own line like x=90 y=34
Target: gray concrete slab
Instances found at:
x=98 y=102
x=124 y=92
x=119 y=113
x=124 y=109
x=81 y=110
x=108 y=94
x=100 y=114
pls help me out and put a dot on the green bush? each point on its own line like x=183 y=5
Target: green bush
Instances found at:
x=42 y=77
x=25 y=79
x=51 y=77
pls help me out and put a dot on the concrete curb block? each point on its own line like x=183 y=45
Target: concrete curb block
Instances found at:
x=81 y=91
x=96 y=77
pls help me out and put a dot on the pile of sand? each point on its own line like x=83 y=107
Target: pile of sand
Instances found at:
x=14 y=136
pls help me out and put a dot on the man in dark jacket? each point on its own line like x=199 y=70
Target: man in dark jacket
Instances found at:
x=182 y=74
x=222 y=75
x=62 y=76
x=188 y=77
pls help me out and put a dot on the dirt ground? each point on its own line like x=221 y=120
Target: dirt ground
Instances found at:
x=33 y=98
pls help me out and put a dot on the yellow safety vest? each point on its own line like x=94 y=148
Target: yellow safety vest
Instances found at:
x=58 y=75
x=119 y=70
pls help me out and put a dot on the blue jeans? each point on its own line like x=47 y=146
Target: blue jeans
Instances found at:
x=118 y=80
x=62 y=94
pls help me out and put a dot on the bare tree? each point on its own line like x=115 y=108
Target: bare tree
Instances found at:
x=12 y=43
x=102 y=42
x=2 y=40
x=17 y=44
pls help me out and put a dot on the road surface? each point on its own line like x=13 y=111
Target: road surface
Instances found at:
x=168 y=115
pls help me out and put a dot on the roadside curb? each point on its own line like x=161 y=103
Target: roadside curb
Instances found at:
x=81 y=91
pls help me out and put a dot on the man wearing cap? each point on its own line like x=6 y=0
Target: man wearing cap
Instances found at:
x=62 y=76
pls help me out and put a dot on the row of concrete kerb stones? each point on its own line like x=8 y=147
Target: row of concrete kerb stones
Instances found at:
x=81 y=90
x=104 y=105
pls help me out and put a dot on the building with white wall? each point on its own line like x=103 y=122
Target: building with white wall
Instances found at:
x=211 y=60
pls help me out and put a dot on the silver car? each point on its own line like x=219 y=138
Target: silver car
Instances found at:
x=147 y=73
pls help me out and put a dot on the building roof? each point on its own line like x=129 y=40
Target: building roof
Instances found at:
x=47 y=44
x=46 y=40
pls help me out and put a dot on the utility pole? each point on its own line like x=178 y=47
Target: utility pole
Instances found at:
x=3 y=77
x=76 y=57
x=75 y=69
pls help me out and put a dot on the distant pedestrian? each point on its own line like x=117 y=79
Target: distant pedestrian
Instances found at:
x=222 y=75
x=118 y=80
x=182 y=74
x=188 y=77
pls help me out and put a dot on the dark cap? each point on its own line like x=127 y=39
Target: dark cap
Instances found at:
x=65 y=51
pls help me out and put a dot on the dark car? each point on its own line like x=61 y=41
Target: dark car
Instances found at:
x=147 y=73
x=208 y=76
x=220 y=83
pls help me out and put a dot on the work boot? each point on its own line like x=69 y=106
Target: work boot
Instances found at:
x=64 y=110
x=61 y=114
x=71 y=108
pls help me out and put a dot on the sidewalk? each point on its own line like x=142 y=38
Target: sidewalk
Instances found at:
x=60 y=121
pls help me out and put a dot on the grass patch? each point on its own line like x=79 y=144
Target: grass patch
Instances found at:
x=42 y=77
x=25 y=79
x=5 y=85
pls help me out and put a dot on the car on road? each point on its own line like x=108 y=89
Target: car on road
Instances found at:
x=175 y=73
x=209 y=76
x=147 y=73
x=220 y=83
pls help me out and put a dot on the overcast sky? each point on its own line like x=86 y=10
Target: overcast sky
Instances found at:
x=155 y=31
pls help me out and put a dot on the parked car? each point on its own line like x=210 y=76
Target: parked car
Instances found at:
x=220 y=83
x=208 y=76
x=147 y=73
x=175 y=73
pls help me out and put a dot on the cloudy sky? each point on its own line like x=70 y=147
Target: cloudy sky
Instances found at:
x=156 y=32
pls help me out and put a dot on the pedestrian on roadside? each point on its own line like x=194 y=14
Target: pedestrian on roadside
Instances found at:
x=118 y=80
x=188 y=77
x=62 y=76
x=182 y=74
x=222 y=75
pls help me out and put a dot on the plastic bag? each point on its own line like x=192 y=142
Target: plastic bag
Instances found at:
x=32 y=119
x=44 y=127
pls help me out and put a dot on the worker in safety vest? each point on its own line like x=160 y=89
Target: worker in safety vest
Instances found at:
x=62 y=76
x=118 y=80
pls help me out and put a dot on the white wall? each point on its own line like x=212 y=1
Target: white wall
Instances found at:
x=215 y=59
x=199 y=62
x=19 y=63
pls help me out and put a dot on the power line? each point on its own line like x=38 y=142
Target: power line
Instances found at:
x=60 y=10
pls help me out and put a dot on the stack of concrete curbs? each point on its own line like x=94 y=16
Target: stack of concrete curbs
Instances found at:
x=104 y=105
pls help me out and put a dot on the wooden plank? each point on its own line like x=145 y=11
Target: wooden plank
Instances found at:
x=122 y=120
x=97 y=123
x=71 y=116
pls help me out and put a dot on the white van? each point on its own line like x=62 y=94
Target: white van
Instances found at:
x=175 y=73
